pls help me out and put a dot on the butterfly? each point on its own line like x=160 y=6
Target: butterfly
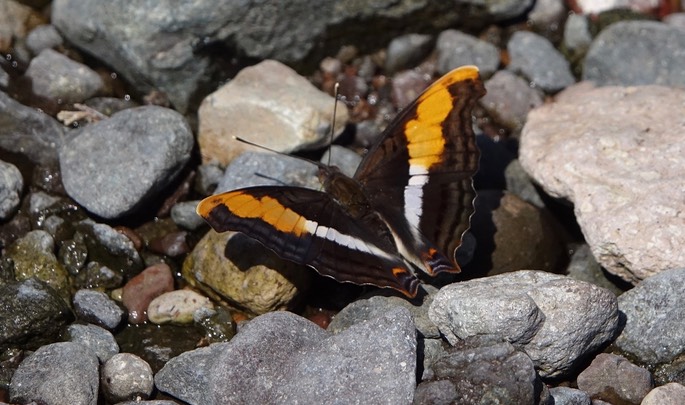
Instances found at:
x=406 y=207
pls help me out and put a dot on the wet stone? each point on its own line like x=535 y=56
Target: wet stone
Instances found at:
x=33 y=257
x=157 y=344
x=96 y=275
x=97 y=339
x=110 y=248
x=97 y=308
x=126 y=377
x=31 y=314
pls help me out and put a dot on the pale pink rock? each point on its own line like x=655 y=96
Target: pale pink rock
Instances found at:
x=143 y=288
x=617 y=154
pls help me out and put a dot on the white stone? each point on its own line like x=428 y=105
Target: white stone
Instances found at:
x=617 y=154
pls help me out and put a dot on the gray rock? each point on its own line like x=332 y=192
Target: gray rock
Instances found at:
x=159 y=46
x=126 y=377
x=631 y=134
x=43 y=37
x=11 y=186
x=371 y=308
x=536 y=58
x=31 y=314
x=657 y=52
x=521 y=185
x=407 y=51
x=187 y=376
x=55 y=76
x=99 y=340
x=655 y=313
x=577 y=37
x=184 y=215
x=614 y=379
x=208 y=176
x=557 y=321
x=569 y=396
x=96 y=307
x=40 y=201
x=487 y=371
x=267 y=169
x=29 y=132
x=454 y=49
x=509 y=98
x=280 y=357
x=152 y=402
x=547 y=14
x=345 y=159
x=368 y=361
x=584 y=267
x=667 y=394
x=132 y=155
x=59 y=373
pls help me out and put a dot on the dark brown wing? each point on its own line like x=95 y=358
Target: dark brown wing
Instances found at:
x=309 y=227
x=421 y=170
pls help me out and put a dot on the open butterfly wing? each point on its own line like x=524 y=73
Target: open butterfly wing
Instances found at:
x=309 y=227
x=423 y=168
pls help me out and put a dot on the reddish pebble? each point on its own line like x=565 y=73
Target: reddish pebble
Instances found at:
x=143 y=288
x=173 y=244
x=322 y=319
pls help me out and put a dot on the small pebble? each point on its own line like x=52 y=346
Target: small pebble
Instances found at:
x=184 y=215
x=97 y=308
x=143 y=288
x=177 y=307
x=126 y=377
x=55 y=76
x=172 y=244
x=43 y=37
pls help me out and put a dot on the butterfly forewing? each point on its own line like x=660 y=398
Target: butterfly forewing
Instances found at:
x=423 y=166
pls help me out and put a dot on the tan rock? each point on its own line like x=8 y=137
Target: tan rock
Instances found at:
x=233 y=268
x=268 y=104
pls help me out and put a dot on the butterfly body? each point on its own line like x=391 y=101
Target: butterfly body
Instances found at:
x=406 y=206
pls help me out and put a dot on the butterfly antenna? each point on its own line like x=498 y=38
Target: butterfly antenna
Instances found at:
x=245 y=141
x=335 y=114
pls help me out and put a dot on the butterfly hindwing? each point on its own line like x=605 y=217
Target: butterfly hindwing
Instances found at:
x=309 y=227
x=422 y=167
